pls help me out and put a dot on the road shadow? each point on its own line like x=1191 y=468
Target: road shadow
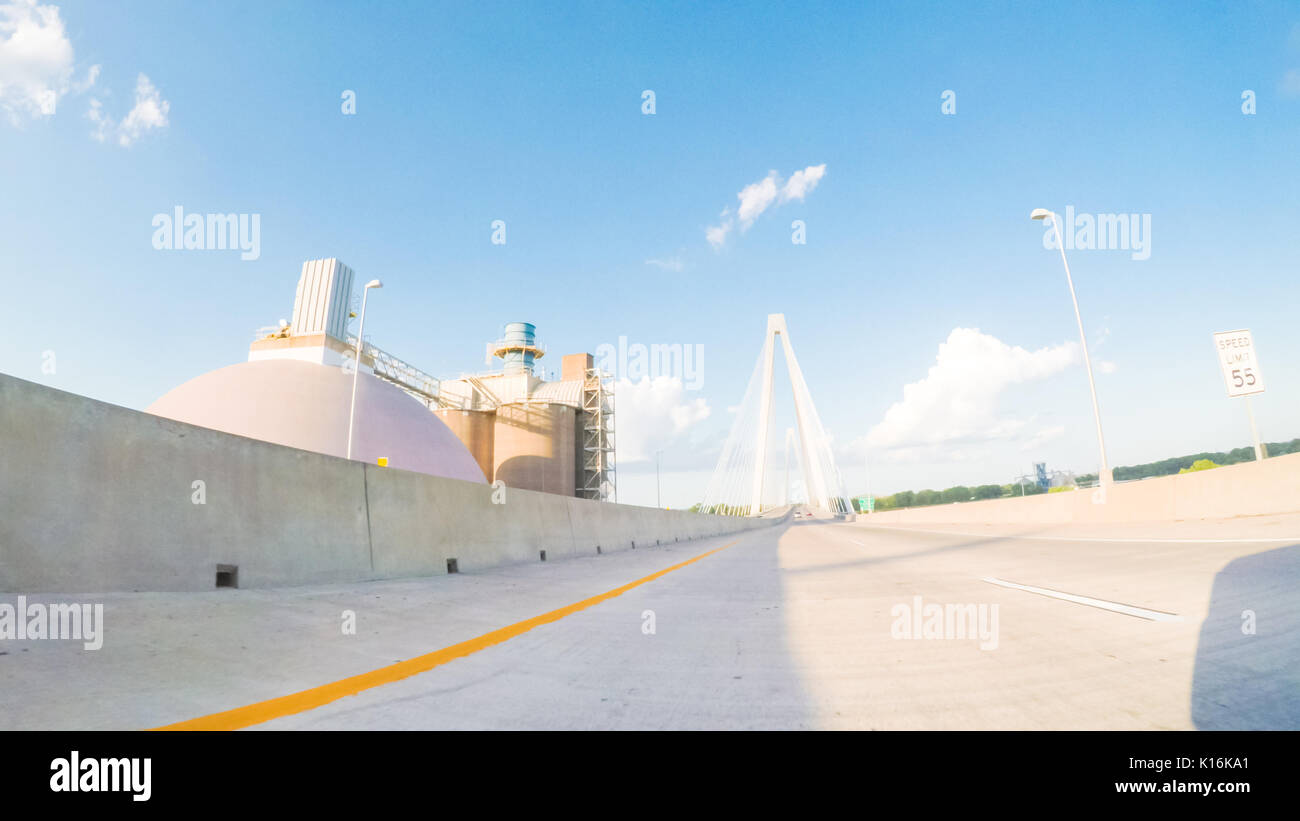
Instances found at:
x=1246 y=680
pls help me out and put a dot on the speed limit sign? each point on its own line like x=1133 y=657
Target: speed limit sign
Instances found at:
x=1236 y=350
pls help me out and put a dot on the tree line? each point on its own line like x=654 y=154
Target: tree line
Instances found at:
x=963 y=493
x=1164 y=467
x=958 y=493
x=1168 y=467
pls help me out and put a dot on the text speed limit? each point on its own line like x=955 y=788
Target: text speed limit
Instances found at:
x=1241 y=374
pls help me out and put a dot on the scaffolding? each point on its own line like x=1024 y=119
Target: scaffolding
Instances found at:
x=599 y=477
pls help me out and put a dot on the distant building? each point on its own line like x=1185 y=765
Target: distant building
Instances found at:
x=556 y=437
x=1045 y=478
x=508 y=425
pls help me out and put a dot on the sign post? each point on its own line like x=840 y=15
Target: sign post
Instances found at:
x=1241 y=374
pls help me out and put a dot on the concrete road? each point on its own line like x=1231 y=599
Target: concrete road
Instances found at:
x=795 y=627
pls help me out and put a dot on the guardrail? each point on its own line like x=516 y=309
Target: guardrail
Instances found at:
x=400 y=372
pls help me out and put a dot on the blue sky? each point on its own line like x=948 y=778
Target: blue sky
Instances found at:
x=532 y=114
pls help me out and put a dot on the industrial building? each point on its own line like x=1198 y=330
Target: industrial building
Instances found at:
x=506 y=425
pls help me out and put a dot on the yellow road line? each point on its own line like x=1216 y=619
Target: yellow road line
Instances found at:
x=318 y=696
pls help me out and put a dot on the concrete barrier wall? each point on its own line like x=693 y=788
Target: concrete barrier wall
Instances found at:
x=97 y=498
x=1246 y=489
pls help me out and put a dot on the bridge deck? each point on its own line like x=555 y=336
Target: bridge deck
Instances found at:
x=785 y=628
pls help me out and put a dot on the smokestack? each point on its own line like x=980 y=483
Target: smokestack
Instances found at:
x=518 y=347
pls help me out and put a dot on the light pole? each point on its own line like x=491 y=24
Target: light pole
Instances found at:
x=361 y=327
x=866 y=469
x=658 y=502
x=1103 y=475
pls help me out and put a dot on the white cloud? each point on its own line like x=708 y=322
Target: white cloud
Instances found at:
x=36 y=71
x=801 y=183
x=1099 y=338
x=671 y=264
x=757 y=197
x=652 y=413
x=1100 y=335
x=957 y=401
x=102 y=124
x=149 y=112
x=35 y=60
x=717 y=234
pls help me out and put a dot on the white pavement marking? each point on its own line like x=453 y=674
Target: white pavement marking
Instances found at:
x=1126 y=609
x=1083 y=538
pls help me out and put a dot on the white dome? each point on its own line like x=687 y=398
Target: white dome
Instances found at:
x=305 y=405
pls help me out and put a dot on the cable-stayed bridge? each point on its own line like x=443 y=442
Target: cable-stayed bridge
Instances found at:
x=748 y=478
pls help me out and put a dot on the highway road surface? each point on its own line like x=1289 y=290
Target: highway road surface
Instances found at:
x=807 y=625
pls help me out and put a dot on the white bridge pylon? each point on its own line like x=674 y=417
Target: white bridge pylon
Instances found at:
x=738 y=481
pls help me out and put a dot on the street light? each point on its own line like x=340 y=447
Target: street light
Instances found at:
x=365 y=293
x=658 y=502
x=1103 y=475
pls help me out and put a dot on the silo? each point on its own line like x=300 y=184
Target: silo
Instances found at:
x=474 y=428
x=534 y=447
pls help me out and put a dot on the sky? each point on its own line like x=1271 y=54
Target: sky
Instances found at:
x=906 y=142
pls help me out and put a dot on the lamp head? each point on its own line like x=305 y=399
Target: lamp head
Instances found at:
x=1040 y=213
x=374 y=283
